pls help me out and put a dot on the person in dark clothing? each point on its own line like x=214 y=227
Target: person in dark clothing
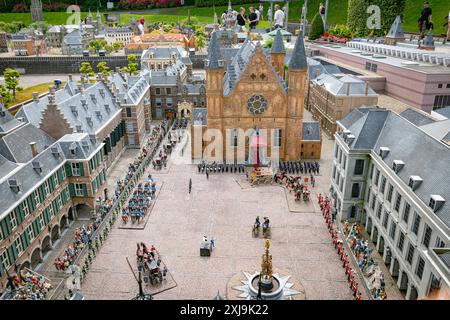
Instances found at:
x=425 y=19
x=190 y=185
x=253 y=17
x=241 y=18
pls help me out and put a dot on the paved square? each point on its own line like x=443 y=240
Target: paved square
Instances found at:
x=225 y=208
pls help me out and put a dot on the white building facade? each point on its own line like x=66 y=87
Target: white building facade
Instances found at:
x=386 y=175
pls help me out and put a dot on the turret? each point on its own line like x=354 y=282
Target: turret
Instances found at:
x=277 y=54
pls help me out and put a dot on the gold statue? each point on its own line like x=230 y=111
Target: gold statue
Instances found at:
x=266 y=264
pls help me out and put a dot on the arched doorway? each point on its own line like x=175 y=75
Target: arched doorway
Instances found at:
x=70 y=215
x=84 y=212
x=413 y=293
x=36 y=258
x=24 y=265
x=381 y=245
x=404 y=282
x=375 y=235
x=62 y=223
x=395 y=268
x=369 y=226
x=46 y=245
x=55 y=233
x=388 y=257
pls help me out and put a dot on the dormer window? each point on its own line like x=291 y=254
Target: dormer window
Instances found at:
x=107 y=108
x=37 y=166
x=102 y=92
x=89 y=121
x=397 y=165
x=14 y=185
x=98 y=114
x=93 y=98
x=55 y=152
x=350 y=139
x=414 y=182
x=436 y=202
x=85 y=144
x=79 y=128
x=73 y=149
x=384 y=151
x=74 y=110
x=345 y=133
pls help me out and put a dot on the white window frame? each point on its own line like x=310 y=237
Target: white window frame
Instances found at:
x=79 y=192
x=25 y=209
x=50 y=210
x=19 y=245
x=4 y=260
x=12 y=217
x=41 y=221
x=59 y=201
x=76 y=169
x=55 y=180
x=37 y=200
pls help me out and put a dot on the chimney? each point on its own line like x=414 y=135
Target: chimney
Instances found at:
x=81 y=87
x=99 y=77
x=34 y=150
x=70 y=77
x=317 y=72
x=366 y=89
x=35 y=96
x=51 y=89
x=347 y=84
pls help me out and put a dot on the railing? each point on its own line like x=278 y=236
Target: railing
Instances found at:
x=87 y=254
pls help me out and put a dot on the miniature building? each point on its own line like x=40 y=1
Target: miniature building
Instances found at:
x=332 y=97
x=386 y=177
x=24 y=45
x=142 y=42
x=250 y=93
x=3 y=42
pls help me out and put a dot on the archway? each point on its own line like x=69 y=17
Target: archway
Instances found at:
x=185 y=109
x=25 y=264
x=46 y=245
x=55 y=233
x=395 y=268
x=388 y=257
x=36 y=258
x=413 y=293
x=70 y=215
x=404 y=282
x=62 y=223
x=369 y=226
x=375 y=235
x=381 y=245
x=84 y=212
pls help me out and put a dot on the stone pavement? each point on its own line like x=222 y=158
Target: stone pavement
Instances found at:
x=300 y=243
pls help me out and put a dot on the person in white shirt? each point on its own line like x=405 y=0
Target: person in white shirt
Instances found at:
x=261 y=11
x=279 y=17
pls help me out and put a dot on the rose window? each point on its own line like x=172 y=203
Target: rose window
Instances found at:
x=257 y=104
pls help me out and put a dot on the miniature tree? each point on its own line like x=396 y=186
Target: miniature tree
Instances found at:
x=86 y=69
x=5 y=95
x=103 y=68
x=12 y=81
x=117 y=45
x=316 y=28
x=132 y=67
x=200 y=42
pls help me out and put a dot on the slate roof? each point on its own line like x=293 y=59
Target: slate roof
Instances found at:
x=164 y=53
x=213 y=53
x=7 y=121
x=29 y=179
x=278 y=45
x=396 y=30
x=417 y=117
x=91 y=113
x=337 y=85
x=444 y=112
x=351 y=118
x=439 y=129
x=311 y=131
x=424 y=155
x=15 y=146
x=75 y=38
x=6 y=167
x=298 y=59
x=238 y=64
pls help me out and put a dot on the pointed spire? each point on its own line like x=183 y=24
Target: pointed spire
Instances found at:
x=229 y=6
x=278 y=45
x=90 y=13
x=298 y=59
x=213 y=52
x=396 y=30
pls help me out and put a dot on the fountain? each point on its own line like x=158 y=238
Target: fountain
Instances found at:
x=266 y=285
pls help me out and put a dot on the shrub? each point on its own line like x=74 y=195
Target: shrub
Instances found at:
x=316 y=28
x=20 y=7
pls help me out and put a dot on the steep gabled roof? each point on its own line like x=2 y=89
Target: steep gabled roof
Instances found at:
x=298 y=59
x=278 y=45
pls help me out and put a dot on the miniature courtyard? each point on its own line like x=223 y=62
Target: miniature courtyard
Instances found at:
x=223 y=207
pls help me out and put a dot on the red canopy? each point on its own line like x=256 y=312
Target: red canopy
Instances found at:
x=257 y=141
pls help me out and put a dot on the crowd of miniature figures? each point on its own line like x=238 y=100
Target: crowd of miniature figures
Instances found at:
x=298 y=185
x=329 y=215
x=299 y=167
x=213 y=167
x=28 y=285
x=140 y=201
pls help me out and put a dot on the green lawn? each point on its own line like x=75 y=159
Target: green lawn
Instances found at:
x=27 y=93
x=337 y=14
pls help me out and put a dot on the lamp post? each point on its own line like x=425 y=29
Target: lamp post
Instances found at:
x=305 y=13
x=326 y=16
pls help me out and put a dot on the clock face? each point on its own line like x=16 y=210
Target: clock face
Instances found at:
x=257 y=104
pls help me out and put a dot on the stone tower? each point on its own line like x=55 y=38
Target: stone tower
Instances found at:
x=214 y=85
x=277 y=54
x=36 y=10
x=297 y=77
